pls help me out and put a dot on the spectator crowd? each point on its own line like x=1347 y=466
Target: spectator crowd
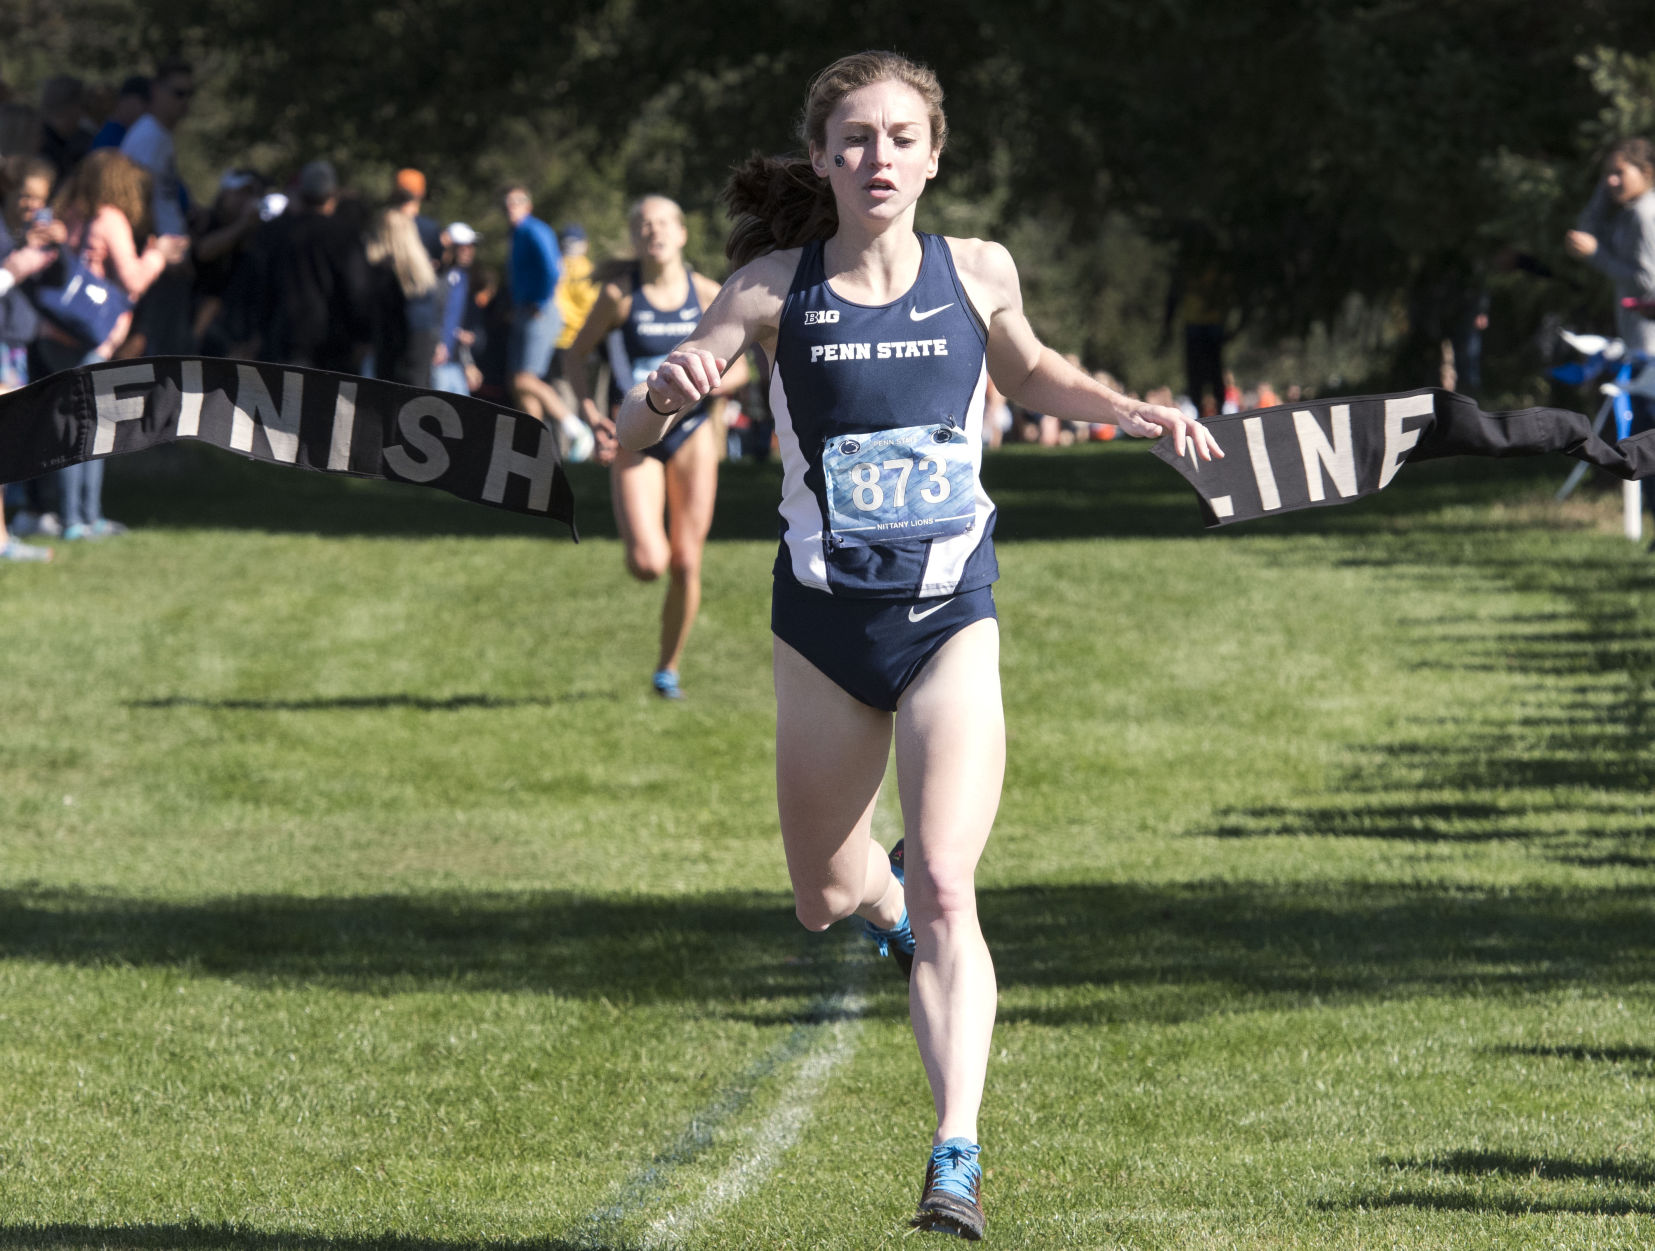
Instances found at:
x=106 y=253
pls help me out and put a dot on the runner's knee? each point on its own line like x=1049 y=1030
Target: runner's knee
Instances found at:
x=941 y=888
x=685 y=562
x=818 y=909
x=646 y=563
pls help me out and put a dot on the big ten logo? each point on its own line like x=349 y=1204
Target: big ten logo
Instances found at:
x=821 y=316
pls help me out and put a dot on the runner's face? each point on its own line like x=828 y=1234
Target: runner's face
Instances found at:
x=883 y=133
x=1625 y=180
x=658 y=232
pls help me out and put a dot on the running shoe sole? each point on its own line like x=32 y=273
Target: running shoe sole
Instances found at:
x=944 y=1213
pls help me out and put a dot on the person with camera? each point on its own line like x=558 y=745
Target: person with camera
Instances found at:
x=86 y=304
x=1615 y=234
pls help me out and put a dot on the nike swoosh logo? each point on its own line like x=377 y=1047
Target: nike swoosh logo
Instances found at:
x=915 y=315
x=921 y=616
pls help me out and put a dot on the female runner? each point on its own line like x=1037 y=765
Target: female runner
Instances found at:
x=645 y=316
x=882 y=341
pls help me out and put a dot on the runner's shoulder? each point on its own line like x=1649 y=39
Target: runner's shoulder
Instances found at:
x=759 y=288
x=988 y=274
x=983 y=259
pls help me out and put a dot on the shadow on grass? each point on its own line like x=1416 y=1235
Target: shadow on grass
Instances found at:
x=1600 y=1055
x=1518 y=1164
x=356 y=703
x=1177 y=952
x=1080 y=954
x=1509 y=1205
x=1426 y=822
x=192 y=1236
x=1042 y=493
x=1576 y=737
x=1486 y=1168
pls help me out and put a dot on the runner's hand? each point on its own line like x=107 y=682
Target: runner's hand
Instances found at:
x=604 y=442
x=605 y=446
x=1151 y=421
x=685 y=378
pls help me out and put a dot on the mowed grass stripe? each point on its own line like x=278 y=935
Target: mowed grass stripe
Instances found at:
x=768 y=1142
x=358 y=893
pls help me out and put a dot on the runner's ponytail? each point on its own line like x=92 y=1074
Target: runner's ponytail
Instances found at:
x=777 y=202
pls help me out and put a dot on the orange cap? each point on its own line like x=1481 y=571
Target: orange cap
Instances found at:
x=411 y=181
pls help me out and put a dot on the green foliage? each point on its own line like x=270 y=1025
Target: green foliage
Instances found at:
x=1304 y=153
x=1626 y=83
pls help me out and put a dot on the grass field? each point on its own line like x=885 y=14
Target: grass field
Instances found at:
x=356 y=893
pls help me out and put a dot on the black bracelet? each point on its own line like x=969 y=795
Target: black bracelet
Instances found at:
x=649 y=402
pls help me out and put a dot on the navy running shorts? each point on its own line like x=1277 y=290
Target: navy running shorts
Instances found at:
x=871 y=648
x=675 y=438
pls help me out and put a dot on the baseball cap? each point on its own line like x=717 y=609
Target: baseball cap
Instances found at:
x=237 y=180
x=411 y=181
x=460 y=234
x=571 y=230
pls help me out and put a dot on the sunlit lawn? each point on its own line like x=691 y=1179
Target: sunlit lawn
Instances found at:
x=356 y=892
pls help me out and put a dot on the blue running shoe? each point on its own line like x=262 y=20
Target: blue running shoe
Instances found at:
x=951 y=1201
x=898 y=942
x=665 y=683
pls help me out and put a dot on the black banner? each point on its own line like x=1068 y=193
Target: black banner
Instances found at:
x=1321 y=452
x=335 y=423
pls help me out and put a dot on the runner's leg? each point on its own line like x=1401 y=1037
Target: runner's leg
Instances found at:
x=692 y=487
x=951 y=756
x=638 y=489
x=831 y=752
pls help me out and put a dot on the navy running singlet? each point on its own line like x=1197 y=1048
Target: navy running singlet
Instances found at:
x=642 y=342
x=879 y=415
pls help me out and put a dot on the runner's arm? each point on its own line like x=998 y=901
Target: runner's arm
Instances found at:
x=745 y=312
x=737 y=373
x=1034 y=376
x=606 y=314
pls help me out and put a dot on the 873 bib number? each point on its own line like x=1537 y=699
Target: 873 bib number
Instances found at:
x=914 y=483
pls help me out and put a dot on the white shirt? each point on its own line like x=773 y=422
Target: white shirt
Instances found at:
x=150 y=144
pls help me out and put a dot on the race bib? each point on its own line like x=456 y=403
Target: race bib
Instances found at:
x=891 y=485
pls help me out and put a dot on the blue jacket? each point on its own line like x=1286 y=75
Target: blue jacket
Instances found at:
x=536 y=263
x=19 y=323
x=455 y=283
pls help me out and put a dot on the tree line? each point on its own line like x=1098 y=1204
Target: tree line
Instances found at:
x=1358 y=173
